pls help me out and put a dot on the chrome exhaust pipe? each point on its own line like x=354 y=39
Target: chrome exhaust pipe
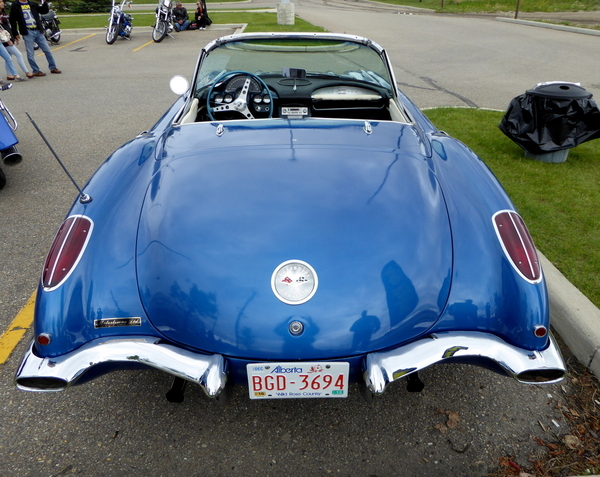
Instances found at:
x=11 y=156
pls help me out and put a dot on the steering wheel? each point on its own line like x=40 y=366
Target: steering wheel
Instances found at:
x=231 y=91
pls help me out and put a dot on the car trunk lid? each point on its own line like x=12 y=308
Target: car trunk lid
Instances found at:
x=368 y=217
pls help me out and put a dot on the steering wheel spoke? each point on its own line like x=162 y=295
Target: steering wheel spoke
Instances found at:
x=246 y=113
x=244 y=92
x=224 y=108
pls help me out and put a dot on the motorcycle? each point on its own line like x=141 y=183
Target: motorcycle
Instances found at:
x=8 y=141
x=164 y=21
x=50 y=23
x=119 y=22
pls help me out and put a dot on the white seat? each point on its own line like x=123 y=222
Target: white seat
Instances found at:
x=190 y=116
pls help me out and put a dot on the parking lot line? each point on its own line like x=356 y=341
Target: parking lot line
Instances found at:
x=68 y=44
x=145 y=44
x=19 y=326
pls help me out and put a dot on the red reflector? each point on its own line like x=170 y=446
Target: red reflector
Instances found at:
x=540 y=331
x=517 y=244
x=66 y=250
x=44 y=339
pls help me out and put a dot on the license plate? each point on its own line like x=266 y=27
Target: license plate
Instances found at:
x=298 y=380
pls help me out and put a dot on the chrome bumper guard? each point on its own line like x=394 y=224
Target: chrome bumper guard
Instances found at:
x=56 y=374
x=531 y=367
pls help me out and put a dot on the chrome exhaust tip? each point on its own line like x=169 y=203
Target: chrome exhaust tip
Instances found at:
x=11 y=156
x=541 y=376
x=41 y=384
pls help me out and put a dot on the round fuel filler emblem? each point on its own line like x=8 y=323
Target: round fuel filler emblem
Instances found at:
x=294 y=282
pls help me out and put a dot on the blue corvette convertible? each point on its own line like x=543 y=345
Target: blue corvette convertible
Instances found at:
x=293 y=224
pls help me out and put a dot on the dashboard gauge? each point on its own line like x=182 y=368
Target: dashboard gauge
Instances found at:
x=218 y=98
x=266 y=99
x=257 y=98
x=228 y=98
x=237 y=83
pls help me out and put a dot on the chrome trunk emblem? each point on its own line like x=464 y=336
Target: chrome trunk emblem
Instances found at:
x=294 y=282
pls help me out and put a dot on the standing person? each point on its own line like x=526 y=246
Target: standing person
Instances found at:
x=11 y=48
x=180 y=16
x=25 y=19
x=10 y=67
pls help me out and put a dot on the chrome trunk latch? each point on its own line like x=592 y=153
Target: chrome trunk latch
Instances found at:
x=367 y=128
x=220 y=130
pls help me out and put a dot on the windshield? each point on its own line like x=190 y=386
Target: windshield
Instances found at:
x=264 y=57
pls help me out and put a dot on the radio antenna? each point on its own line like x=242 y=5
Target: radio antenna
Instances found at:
x=83 y=198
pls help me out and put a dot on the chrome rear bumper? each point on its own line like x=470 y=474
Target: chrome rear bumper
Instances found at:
x=210 y=371
x=531 y=367
x=56 y=374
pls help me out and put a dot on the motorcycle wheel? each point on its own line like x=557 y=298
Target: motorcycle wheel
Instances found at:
x=112 y=33
x=159 y=31
x=55 y=37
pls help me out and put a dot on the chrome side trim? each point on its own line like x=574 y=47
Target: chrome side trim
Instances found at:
x=532 y=367
x=7 y=114
x=56 y=374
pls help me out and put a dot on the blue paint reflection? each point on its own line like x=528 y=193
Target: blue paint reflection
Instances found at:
x=363 y=330
x=401 y=295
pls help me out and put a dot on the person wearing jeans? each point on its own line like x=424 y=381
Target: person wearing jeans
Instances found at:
x=180 y=15
x=12 y=50
x=25 y=19
x=10 y=67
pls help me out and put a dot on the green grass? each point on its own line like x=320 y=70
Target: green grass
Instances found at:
x=262 y=22
x=490 y=6
x=255 y=21
x=559 y=202
x=268 y=21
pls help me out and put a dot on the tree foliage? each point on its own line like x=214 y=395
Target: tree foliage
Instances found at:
x=83 y=6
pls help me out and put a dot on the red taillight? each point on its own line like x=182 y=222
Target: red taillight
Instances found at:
x=517 y=244
x=66 y=250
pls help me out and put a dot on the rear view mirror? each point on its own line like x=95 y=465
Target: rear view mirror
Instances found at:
x=293 y=73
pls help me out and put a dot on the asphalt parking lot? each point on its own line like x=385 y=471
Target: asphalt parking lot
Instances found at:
x=121 y=424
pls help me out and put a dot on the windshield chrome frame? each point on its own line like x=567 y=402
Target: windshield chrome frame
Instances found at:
x=297 y=36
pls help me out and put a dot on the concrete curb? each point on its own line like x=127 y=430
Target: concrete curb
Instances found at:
x=574 y=316
x=552 y=26
x=238 y=27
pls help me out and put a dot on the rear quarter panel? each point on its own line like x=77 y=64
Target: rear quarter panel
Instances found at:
x=486 y=294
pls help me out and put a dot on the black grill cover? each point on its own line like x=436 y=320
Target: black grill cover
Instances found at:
x=552 y=117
